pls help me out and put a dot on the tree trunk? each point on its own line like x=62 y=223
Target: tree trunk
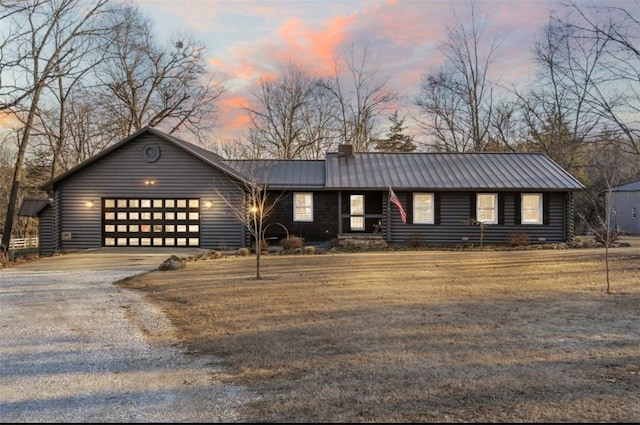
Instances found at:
x=258 y=254
x=15 y=188
x=17 y=174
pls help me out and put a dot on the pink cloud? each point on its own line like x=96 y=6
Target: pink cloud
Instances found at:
x=402 y=36
x=232 y=109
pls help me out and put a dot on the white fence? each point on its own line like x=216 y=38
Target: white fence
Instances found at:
x=18 y=243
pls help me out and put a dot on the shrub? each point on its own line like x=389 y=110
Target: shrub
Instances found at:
x=519 y=239
x=264 y=246
x=291 y=242
x=415 y=241
x=603 y=237
x=309 y=250
x=244 y=252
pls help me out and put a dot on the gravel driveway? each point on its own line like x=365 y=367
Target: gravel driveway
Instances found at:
x=75 y=348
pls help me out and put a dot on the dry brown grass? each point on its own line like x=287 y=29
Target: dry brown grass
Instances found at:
x=418 y=336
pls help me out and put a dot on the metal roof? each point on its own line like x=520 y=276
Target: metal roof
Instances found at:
x=31 y=207
x=282 y=174
x=447 y=171
x=379 y=170
x=631 y=187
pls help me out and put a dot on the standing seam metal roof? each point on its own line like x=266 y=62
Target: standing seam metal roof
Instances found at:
x=380 y=170
x=282 y=174
x=448 y=171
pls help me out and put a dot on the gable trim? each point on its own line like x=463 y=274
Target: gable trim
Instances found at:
x=181 y=144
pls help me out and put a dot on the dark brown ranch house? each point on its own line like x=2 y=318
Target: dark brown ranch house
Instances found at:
x=155 y=190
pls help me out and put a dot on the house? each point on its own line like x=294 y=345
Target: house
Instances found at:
x=624 y=207
x=155 y=190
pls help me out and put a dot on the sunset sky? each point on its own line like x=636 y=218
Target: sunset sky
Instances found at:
x=247 y=40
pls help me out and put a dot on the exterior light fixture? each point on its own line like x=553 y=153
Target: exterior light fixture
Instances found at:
x=254 y=209
x=208 y=204
x=149 y=182
x=89 y=203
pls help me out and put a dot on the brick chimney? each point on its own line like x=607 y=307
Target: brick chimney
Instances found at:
x=345 y=151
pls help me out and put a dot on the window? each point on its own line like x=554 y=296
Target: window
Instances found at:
x=487 y=208
x=303 y=206
x=531 y=208
x=423 y=211
x=357 y=212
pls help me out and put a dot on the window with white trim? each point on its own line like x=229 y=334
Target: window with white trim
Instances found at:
x=487 y=208
x=531 y=204
x=423 y=208
x=356 y=208
x=303 y=206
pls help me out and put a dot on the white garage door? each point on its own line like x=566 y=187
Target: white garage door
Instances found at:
x=151 y=222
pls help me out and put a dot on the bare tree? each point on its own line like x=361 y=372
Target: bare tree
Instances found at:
x=362 y=95
x=285 y=120
x=56 y=122
x=320 y=126
x=603 y=164
x=559 y=118
x=247 y=146
x=146 y=84
x=506 y=129
x=252 y=206
x=40 y=45
x=616 y=95
x=456 y=102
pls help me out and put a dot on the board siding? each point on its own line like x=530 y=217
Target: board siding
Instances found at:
x=46 y=229
x=325 y=212
x=122 y=174
x=455 y=227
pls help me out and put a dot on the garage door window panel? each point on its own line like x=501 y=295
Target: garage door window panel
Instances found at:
x=163 y=222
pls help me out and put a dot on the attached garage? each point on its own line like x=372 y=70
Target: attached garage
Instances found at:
x=149 y=190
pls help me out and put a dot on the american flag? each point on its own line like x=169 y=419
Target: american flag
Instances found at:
x=394 y=200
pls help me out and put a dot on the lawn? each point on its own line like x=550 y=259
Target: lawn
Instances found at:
x=417 y=336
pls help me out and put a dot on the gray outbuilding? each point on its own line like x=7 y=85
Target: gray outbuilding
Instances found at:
x=625 y=205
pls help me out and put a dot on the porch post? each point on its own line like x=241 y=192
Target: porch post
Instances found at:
x=339 y=212
x=386 y=210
